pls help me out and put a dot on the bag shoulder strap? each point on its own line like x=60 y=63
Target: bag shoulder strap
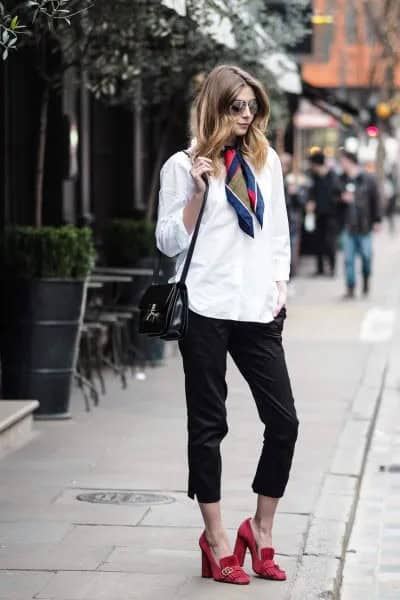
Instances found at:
x=194 y=237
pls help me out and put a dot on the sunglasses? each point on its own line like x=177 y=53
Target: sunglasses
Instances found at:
x=239 y=106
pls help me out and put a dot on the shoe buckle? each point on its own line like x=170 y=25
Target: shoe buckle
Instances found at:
x=227 y=571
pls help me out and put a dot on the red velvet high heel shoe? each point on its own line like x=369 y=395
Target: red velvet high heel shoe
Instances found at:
x=228 y=570
x=265 y=567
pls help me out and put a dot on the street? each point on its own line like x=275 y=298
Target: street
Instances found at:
x=133 y=546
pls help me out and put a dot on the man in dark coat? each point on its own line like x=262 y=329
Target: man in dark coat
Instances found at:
x=361 y=214
x=324 y=196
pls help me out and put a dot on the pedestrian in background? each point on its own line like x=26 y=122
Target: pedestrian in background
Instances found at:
x=390 y=196
x=361 y=208
x=295 y=196
x=237 y=295
x=324 y=195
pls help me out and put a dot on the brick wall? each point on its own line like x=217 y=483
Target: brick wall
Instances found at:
x=345 y=54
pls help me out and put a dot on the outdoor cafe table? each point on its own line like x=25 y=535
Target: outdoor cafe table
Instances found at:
x=113 y=285
x=94 y=285
x=122 y=271
x=120 y=275
x=103 y=278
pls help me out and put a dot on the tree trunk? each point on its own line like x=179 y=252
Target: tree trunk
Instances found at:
x=387 y=94
x=152 y=199
x=41 y=157
x=138 y=202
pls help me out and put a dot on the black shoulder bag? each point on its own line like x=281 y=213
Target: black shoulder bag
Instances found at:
x=164 y=308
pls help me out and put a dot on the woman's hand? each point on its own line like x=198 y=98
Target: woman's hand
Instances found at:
x=377 y=227
x=282 y=297
x=201 y=166
x=310 y=206
x=348 y=197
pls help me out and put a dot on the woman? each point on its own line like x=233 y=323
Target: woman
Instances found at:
x=237 y=294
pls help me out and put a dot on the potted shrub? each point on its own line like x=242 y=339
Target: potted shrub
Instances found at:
x=129 y=242
x=43 y=273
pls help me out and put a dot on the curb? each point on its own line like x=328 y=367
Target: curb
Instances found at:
x=319 y=575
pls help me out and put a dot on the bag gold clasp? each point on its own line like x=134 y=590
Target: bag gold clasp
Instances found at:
x=152 y=315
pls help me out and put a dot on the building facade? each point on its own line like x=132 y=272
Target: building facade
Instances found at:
x=347 y=54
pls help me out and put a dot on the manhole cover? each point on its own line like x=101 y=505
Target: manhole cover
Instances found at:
x=124 y=497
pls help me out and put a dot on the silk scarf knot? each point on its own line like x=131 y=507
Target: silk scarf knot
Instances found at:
x=242 y=191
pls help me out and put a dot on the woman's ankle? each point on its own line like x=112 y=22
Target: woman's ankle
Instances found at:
x=262 y=526
x=216 y=537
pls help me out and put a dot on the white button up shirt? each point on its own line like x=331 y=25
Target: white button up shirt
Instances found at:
x=232 y=275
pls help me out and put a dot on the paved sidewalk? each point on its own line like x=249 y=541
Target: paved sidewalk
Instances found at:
x=372 y=562
x=56 y=547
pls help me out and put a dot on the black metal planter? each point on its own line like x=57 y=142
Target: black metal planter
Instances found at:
x=40 y=322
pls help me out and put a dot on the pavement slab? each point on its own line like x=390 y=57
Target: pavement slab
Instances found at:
x=32 y=532
x=52 y=557
x=110 y=586
x=21 y=585
x=197 y=588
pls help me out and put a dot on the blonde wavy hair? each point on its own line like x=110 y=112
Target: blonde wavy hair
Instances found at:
x=211 y=122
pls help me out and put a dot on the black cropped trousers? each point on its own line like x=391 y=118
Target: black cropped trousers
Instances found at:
x=257 y=351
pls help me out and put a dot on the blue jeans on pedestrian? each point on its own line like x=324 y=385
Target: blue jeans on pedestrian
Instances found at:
x=353 y=244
